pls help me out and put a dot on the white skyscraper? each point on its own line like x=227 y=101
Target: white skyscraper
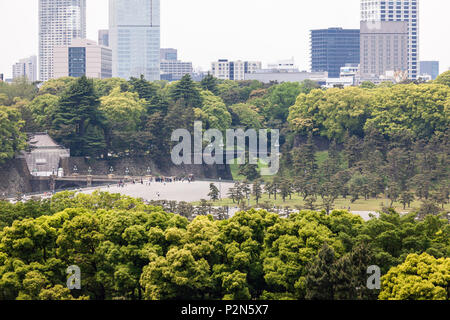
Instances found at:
x=134 y=37
x=60 y=21
x=397 y=10
x=26 y=68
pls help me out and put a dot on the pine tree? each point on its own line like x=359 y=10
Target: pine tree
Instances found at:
x=319 y=284
x=213 y=192
x=210 y=83
x=78 y=112
x=257 y=190
x=186 y=90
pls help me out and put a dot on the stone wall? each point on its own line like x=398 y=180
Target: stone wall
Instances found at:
x=139 y=167
x=15 y=177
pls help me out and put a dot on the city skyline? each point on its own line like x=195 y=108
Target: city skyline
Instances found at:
x=59 y=23
x=206 y=36
x=134 y=37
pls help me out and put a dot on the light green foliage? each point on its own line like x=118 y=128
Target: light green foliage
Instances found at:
x=443 y=78
x=422 y=109
x=129 y=250
x=11 y=139
x=214 y=112
x=247 y=117
x=123 y=110
x=420 y=277
x=56 y=86
x=20 y=89
x=332 y=112
x=280 y=98
x=43 y=108
x=105 y=86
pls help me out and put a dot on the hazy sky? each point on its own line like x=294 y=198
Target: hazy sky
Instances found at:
x=207 y=30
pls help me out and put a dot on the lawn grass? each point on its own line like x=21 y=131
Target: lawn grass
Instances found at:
x=340 y=203
x=234 y=167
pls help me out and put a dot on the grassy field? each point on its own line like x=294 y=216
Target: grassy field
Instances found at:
x=358 y=205
x=297 y=201
x=237 y=177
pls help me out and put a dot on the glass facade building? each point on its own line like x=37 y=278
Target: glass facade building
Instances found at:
x=333 y=48
x=134 y=36
x=429 y=68
x=397 y=10
x=77 y=62
x=60 y=21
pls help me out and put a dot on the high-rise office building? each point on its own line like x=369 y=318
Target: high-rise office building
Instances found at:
x=234 y=70
x=430 y=68
x=333 y=48
x=134 y=36
x=26 y=68
x=60 y=21
x=103 y=38
x=82 y=58
x=383 y=49
x=374 y=11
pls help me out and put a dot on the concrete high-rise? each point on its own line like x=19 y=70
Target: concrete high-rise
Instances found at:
x=374 y=11
x=333 y=48
x=60 y=21
x=26 y=68
x=134 y=36
x=383 y=49
x=83 y=58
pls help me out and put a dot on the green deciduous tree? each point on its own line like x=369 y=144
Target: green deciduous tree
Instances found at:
x=12 y=139
x=420 y=277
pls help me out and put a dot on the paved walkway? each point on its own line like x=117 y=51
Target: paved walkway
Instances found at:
x=174 y=191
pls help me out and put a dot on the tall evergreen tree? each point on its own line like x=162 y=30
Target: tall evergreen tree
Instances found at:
x=210 y=83
x=78 y=112
x=186 y=90
x=319 y=284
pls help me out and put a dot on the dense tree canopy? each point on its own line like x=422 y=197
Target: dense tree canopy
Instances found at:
x=421 y=109
x=12 y=139
x=420 y=277
x=130 y=250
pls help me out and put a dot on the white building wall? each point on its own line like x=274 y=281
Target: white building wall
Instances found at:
x=95 y=58
x=60 y=21
x=26 y=68
x=234 y=70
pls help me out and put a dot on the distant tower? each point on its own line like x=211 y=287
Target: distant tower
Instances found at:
x=60 y=21
x=399 y=10
x=134 y=36
x=103 y=38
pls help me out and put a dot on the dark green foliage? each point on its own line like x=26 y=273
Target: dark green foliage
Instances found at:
x=186 y=90
x=210 y=83
x=77 y=117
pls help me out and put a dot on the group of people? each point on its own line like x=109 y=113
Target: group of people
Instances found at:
x=121 y=183
x=171 y=179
